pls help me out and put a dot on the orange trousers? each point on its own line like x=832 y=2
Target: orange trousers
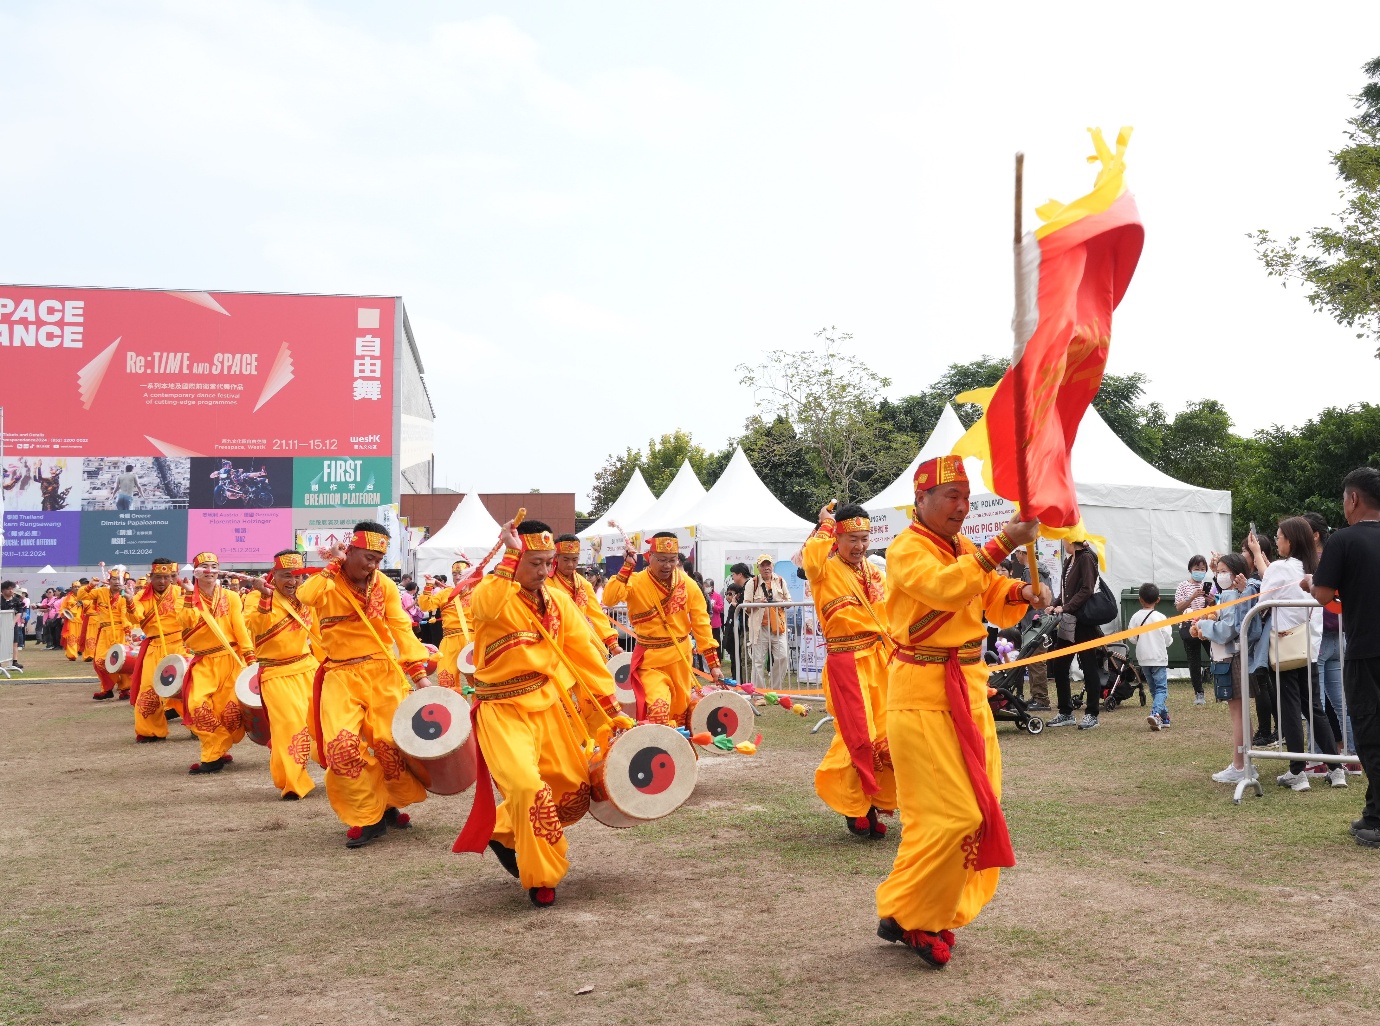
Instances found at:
x=365 y=771
x=287 y=699
x=836 y=779
x=212 y=712
x=667 y=689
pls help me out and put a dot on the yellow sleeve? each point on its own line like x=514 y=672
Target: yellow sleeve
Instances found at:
x=257 y=619
x=492 y=593
x=817 y=549
x=950 y=586
x=599 y=620
x=239 y=634
x=410 y=650
x=1002 y=601
x=699 y=623
x=430 y=600
x=616 y=590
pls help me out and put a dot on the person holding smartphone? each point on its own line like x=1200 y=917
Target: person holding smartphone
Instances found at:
x=1192 y=594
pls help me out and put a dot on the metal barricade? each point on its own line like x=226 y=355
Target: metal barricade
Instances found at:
x=1250 y=753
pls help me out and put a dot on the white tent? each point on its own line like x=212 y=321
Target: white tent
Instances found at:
x=890 y=508
x=471 y=531
x=739 y=519
x=668 y=512
x=635 y=499
x=1152 y=522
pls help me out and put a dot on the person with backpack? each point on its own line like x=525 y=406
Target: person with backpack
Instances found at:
x=1079 y=584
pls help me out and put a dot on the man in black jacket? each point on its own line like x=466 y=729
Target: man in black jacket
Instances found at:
x=1079 y=584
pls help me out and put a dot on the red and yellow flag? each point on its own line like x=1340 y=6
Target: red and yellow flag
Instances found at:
x=1071 y=273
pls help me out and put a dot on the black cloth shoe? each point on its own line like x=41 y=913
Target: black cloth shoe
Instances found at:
x=858 y=826
x=147 y=739
x=207 y=767
x=291 y=796
x=507 y=858
x=875 y=829
x=358 y=837
x=171 y=714
x=397 y=820
x=542 y=897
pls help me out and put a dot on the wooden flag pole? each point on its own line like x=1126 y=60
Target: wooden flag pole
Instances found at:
x=1022 y=439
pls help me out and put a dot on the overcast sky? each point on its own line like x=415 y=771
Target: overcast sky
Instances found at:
x=594 y=211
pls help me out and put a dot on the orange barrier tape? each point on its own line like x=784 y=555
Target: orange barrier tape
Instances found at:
x=1146 y=628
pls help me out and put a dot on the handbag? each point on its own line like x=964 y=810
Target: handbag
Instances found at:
x=1290 y=650
x=1100 y=607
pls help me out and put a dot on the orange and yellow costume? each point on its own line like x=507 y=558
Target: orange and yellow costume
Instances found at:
x=663 y=619
x=942 y=736
x=287 y=670
x=856 y=773
x=581 y=592
x=360 y=686
x=71 y=610
x=456 y=629
x=160 y=618
x=111 y=617
x=531 y=718
x=218 y=646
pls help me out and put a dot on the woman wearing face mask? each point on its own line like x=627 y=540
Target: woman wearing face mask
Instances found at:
x=1221 y=628
x=1193 y=594
x=1258 y=656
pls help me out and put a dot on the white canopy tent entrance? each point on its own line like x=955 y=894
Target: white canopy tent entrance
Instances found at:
x=1152 y=522
x=471 y=531
x=635 y=499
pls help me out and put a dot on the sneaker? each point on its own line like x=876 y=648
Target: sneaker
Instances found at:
x=1087 y=722
x=1038 y=707
x=1317 y=769
x=1062 y=720
x=1260 y=739
x=1154 y=722
x=1232 y=775
x=1293 y=781
x=1367 y=837
x=1337 y=778
x=1200 y=699
x=1164 y=723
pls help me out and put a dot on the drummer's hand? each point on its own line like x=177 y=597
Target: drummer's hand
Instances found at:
x=509 y=535
x=1022 y=532
x=615 y=649
x=826 y=512
x=717 y=673
x=261 y=585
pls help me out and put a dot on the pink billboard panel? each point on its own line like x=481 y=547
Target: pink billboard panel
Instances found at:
x=239 y=535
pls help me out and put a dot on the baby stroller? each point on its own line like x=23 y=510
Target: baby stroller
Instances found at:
x=1006 y=688
x=1121 y=679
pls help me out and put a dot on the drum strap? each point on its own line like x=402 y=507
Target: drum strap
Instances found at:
x=210 y=621
x=287 y=607
x=344 y=589
x=460 y=612
x=570 y=709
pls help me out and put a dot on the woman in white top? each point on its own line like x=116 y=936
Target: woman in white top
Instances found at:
x=1298 y=558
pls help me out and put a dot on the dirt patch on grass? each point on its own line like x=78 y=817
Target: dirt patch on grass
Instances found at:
x=137 y=894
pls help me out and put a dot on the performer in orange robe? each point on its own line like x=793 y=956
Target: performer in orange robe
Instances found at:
x=219 y=646
x=159 y=615
x=456 y=632
x=943 y=739
x=536 y=658
x=71 y=620
x=282 y=630
x=665 y=608
x=566 y=576
x=360 y=684
x=855 y=778
x=112 y=612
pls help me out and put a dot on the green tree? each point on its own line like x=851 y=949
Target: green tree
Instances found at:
x=831 y=398
x=785 y=464
x=1340 y=265
x=659 y=463
x=917 y=415
x=1139 y=425
x=1200 y=448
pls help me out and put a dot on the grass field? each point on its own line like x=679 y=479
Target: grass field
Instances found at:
x=134 y=893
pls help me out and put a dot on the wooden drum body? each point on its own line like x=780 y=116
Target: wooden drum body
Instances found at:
x=647 y=772
x=431 y=727
x=620 y=666
x=253 y=715
x=723 y=714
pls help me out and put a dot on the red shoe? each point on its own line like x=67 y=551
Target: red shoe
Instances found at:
x=1317 y=769
x=542 y=897
x=227 y=757
x=929 y=946
x=124 y=695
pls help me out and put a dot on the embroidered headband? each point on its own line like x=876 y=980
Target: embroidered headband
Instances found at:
x=370 y=541
x=290 y=561
x=538 y=541
x=164 y=568
x=853 y=524
x=204 y=557
x=568 y=548
x=671 y=545
x=458 y=564
x=941 y=470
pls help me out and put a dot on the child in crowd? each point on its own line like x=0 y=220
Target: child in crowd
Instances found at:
x=1152 y=652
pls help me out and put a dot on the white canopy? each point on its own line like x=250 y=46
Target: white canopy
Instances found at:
x=471 y=531
x=1152 y=522
x=635 y=499
x=740 y=519
x=668 y=512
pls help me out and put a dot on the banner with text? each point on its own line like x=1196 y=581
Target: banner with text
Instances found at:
x=363 y=483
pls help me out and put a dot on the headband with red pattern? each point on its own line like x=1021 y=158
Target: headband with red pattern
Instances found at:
x=370 y=541
x=671 y=544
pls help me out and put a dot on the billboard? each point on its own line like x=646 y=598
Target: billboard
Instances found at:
x=33 y=483
x=239 y=535
x=342 y=482
x=241 y=482
x=39 y=538
x=135 y=482
x=196 y=373
x=130 y=536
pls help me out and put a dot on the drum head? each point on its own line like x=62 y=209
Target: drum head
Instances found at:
x=115 y=658
x=247 y=687
x=431 y=723
x=169 y=674
x=621 y=668
x=465 y=660
x=650 y=771
x=724 y=714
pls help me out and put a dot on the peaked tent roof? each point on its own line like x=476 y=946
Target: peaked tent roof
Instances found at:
x=668 y=512
x=1108 y=472
x=471 y=530
x=635 y=499
x=740 y=501
x=945 y=435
